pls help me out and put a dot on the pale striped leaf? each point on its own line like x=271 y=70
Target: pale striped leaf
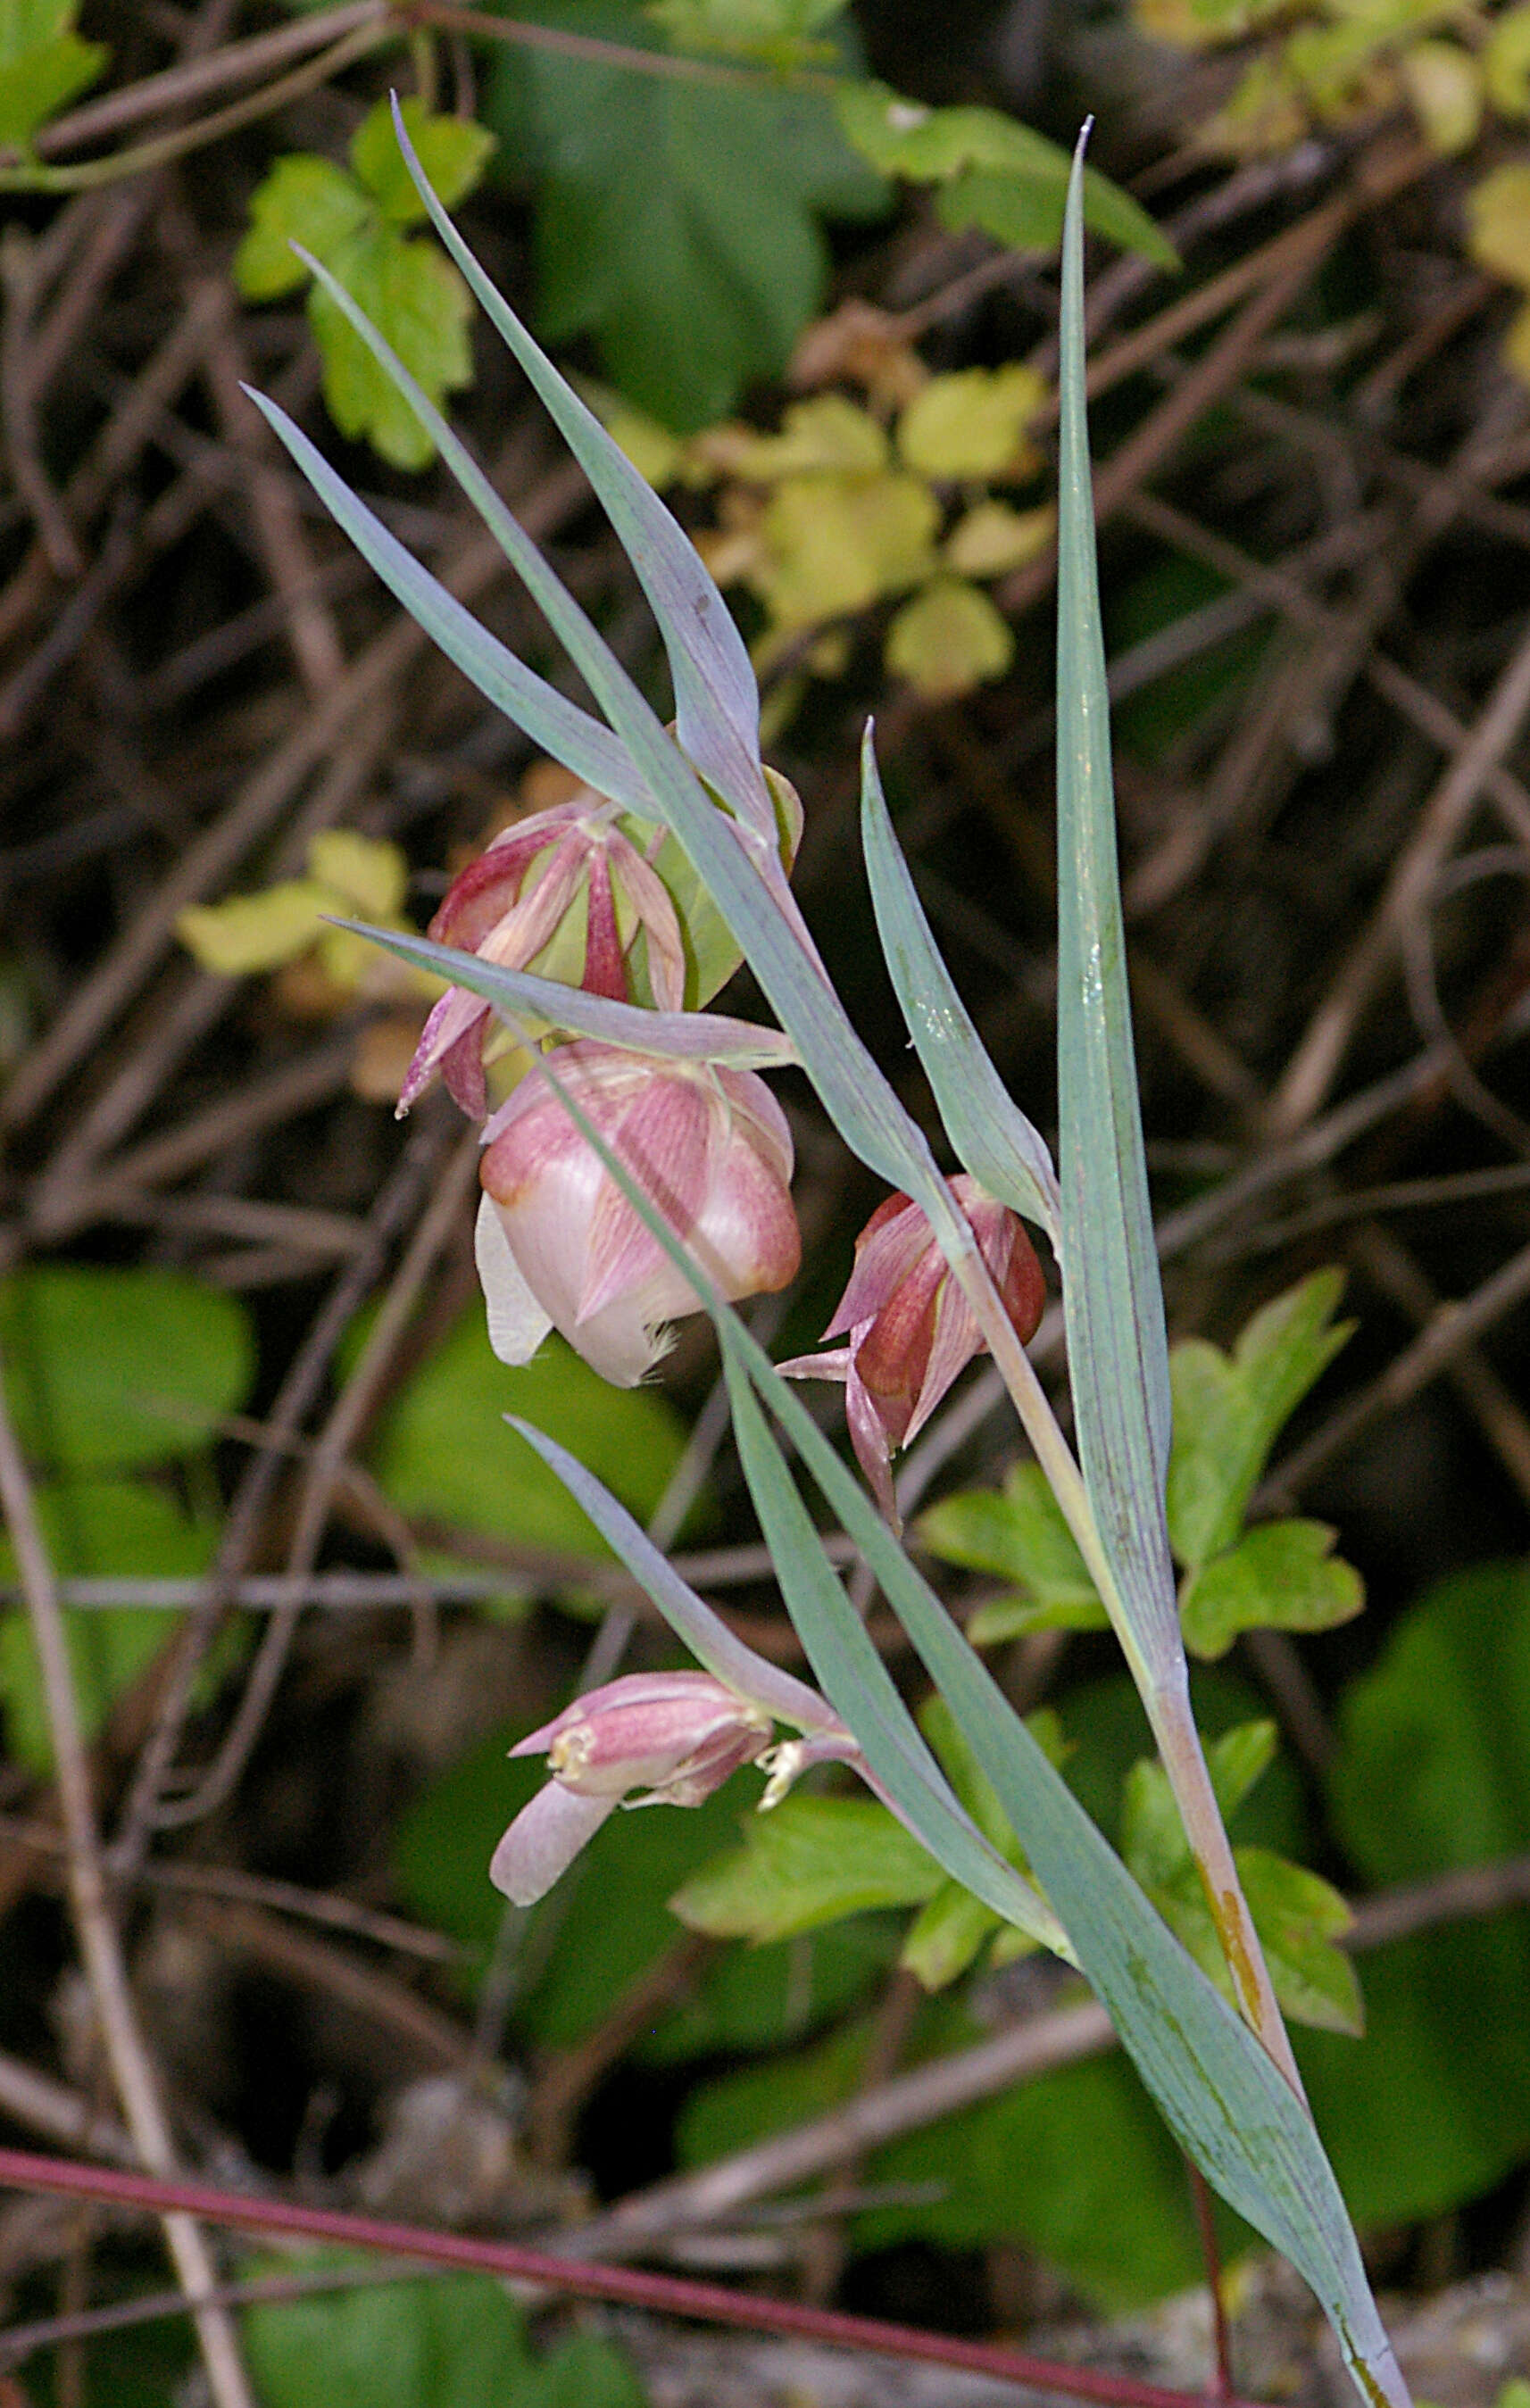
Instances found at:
x=1118 y=1350
x=990 y=1135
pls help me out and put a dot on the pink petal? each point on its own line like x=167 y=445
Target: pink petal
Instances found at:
x=834 y=1364
x=887 y=1252
x=955 y=1340
x=605 y=972
x=651 y=900
x=448 y=1018
x=665 y=1140
x=869 y=1438
x=543 y=1840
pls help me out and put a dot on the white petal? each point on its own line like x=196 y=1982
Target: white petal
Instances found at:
x=543 y=1840
x=517 y=1324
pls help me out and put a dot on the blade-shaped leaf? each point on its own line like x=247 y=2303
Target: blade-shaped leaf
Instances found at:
x=1118 y=1350
x=1220 y=2093
x=992 y=1136
x=857 y=1681
x=717 y=1648
x=716 y=700
x=679 y=1035
x=548 y=717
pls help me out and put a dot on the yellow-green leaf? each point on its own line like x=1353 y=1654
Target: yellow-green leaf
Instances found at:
x=809 y=1862
x=1444 y=85
x=452 y=151
x=1498 y=222
x=834 y=544
x=255 y=932
x=417 y=300
x=304 y=199
x=949 y=638
x=1517 y=345
x=361 y=871
x=973 y=423
x=993 y=538
x=1280 y=1576
x=830 y=432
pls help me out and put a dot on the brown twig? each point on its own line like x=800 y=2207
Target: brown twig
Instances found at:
x=132 y=2070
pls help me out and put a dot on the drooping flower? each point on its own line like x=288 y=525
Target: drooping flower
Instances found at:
x=558 y=1244
x=675 y=1736
x=910 y=1328
x=565 y=893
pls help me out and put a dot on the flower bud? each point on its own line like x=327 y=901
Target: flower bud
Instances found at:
x=566 y=893
x=559 y=1245
x=674 y=1736
x=910 y=1326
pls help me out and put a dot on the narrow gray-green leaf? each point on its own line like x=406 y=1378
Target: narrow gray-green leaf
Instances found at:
x=857 y=1682
x=989 y=1133
x=716 y=700
x=548 y=717
x=1117 y=1351
x=719 y=1650
x=679 y=1035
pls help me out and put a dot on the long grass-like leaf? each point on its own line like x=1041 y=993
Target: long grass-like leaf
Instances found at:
x=1118 y=1349
x=855 y=1678
x=548 y=717
x=716 y=700
x=720 y=1651
x=679 y=1035
x=992 y=1136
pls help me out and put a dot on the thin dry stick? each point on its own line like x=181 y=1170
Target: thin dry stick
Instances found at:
x=255 y=809
x=1383 y=1256
x=131 y=2071
x=17 y=398
x=1316 y=1062
x=389 y=1215
x=352 y=1407
x=177 y=87
x=1450 y=1329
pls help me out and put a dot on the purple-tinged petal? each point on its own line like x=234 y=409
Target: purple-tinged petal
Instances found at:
x=544 y=1839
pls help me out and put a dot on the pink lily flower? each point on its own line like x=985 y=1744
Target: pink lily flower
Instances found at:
x=910 y=1328
x=673 y=1736
x=568 y=878
x=559 y=1246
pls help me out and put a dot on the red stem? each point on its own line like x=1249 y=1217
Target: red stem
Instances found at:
x=667 y=2294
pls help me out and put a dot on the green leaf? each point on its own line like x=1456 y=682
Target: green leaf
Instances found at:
x=1077 y=2169
x=946 y=1936
x=1152 y=1836
x=761 y=1997
x=1298 y=1915
x=1229 y=1410
x=304 y=199
x=455 y=2343
x=774 y=31
x=38 y=84
x=93 y=1529
x=443 y=1450
x=995 y=172
x=834 y=544
x=1433 y=1769
x=1280 y=1576
x=416 y=300
x=676 y=219
x=1018 y=1534
x=811 y=1860
x=108 y=1370
x=452 y=151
